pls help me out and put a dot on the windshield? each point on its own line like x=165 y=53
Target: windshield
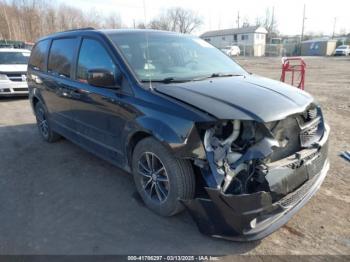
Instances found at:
x=342 y=47
x=158 y=56
x=14 y=58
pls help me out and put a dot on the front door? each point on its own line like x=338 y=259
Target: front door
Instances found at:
x=100 y=113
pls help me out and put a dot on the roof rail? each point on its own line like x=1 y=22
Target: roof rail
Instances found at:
x=78 y=29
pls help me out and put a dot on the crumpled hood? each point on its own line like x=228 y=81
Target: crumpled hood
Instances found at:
x=244 y=98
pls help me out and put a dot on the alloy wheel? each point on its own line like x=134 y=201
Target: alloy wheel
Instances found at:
x=42 y=122
x=154 y=177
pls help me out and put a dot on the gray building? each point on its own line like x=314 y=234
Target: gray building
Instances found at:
x=250 y=39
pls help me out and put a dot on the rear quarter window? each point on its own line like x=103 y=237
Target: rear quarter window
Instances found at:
x=61 y=56
x=38 y=55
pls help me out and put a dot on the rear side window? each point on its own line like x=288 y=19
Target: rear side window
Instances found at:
x=61 y=55
x=38 y=55
x=93 y=55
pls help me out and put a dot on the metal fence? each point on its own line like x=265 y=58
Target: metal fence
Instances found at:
x=270 y=50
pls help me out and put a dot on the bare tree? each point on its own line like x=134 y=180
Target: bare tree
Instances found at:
x=50 y=21
x=93 y=19
x=27 y=20
x=141 y=25
x=4 y=21
x=245 y=22
x=113 y=21
x=268 y=21
x=177 y=19
x=69 y=18
x=161 y=23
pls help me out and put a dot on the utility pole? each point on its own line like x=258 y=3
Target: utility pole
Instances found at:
x=302 y=28
x=238 y=17
x=144 y=12
x=210 y=21
x=335 y=21
x=272 y=20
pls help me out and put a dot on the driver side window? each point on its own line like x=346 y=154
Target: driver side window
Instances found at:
x=93 y=55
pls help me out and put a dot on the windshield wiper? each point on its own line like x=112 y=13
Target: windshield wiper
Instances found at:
x=169 y=80
x=166 y=80
x=214 y=75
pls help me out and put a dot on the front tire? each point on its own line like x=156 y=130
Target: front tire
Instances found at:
x=160 y=178
x=43 y=124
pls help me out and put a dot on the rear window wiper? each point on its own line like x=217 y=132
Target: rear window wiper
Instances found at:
x=214 y=75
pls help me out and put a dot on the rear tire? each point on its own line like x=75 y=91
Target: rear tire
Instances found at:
x=43 y=124
x=160 y=178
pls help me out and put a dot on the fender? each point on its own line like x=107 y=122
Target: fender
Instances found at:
x=35 y=93
x=178 y=135
x=161 y=131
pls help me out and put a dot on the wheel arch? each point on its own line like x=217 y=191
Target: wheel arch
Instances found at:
x=181 y=139
x=35 y=98
x=133 y=140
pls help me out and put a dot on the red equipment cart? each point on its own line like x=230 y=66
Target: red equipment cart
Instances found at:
x=294 y=67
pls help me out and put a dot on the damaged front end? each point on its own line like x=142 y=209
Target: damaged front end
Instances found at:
x=259 y=174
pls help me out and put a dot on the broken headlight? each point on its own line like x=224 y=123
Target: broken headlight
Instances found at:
x=236 y=152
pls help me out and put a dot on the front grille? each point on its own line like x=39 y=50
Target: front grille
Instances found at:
x=311 y=126
x=312 y=113
x=16 y=76
x=309 y=135
x=318 y=163
x=314 y=168
x=296 y=132
x=20 y=89
x=296 y=196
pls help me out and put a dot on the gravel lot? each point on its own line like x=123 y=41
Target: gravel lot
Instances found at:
x=59 y=199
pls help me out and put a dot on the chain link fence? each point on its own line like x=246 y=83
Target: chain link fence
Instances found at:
x=270 y=50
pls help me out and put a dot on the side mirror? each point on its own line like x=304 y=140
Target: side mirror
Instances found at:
x=102 y=78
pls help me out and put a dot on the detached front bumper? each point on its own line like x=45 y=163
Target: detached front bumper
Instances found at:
x=13 y=88
x=254 y=216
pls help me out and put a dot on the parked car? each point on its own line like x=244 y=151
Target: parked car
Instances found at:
x=342 y=50
x=232 y=50
x=241 y=153
x=13 y=71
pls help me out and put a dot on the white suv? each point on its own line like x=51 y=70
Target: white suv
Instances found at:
x=342 y=50
x=13 y=71
x=232 y=50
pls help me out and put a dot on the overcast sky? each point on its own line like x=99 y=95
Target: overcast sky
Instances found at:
x=220 y=14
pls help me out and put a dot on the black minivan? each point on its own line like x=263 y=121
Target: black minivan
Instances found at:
x=240 y=152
